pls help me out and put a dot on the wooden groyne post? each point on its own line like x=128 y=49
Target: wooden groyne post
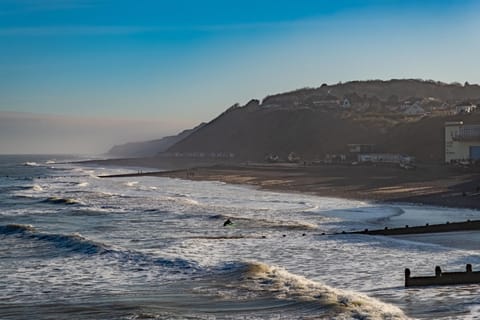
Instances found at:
x=443 y=278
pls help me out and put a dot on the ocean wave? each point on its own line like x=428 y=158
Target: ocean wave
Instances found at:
x=268 y=223
x=58 y=200
x=31 y=164
x=37 y=188
x=392 y=212
x=182 y=199
x=16 y=228
x=85 y=172
x=78 y=244
x=256 y=280
x=73 y=242
x=82 y=184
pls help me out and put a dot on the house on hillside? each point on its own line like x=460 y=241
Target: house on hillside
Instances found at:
x=465 y=108
x=327 y=101
x=346 y=104
x=413 y=109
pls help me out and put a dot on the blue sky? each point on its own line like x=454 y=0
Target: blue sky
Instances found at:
x=185 y=61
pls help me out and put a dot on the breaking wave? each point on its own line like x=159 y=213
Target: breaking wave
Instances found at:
x=37 y=187
x=263 y=280
x=31 y=164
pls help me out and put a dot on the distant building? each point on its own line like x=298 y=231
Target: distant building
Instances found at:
x=462 y=142
x=272 y=158
x=465 y=108
x=414 y=109
x=360 y=148
x=335 y=158
x=346 y=104
x=293 y=157
x=385 y=158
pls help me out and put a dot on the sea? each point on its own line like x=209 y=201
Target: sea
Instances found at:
x=76 y=246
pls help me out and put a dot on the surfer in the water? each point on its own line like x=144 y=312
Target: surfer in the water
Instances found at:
x=227 y=223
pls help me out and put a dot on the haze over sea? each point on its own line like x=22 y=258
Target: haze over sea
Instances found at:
x=74 y=246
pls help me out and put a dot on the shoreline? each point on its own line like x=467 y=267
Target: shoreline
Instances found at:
x=426 y=185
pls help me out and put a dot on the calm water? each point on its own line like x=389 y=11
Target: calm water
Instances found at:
x=73 y=246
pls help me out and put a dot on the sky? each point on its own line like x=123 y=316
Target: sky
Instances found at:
x=134 y=70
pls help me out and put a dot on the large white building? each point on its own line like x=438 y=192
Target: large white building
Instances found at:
x=462 y=142
x=465 y=108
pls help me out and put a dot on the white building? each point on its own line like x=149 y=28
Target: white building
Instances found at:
x=414 y=109
x=465 y=108
x=462 y=142
x=346 y=104
x=385 y=158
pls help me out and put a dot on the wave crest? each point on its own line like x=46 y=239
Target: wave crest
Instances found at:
x=336 y=303
x=31 y=164
x=37 y=188
x=16 y=228
x=78 y=244
x=57 y=200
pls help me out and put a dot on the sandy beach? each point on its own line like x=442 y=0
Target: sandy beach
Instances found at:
x=428 y=184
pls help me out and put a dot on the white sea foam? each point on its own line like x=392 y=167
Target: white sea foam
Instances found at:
x=31 y=164
x=131 y=183
x=161 y=222
x=182 y=200
x=260 y=279
x=37 y=187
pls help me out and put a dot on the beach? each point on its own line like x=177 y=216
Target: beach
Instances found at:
x=154 y=245
x=426 y=184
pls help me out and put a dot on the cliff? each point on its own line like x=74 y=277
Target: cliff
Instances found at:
x=314 y=122
x=149 y=148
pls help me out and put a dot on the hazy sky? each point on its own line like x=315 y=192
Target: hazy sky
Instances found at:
x=184 y=61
